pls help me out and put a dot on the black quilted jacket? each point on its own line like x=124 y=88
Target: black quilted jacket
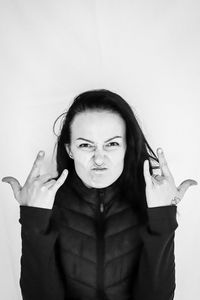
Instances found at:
x=93 y=246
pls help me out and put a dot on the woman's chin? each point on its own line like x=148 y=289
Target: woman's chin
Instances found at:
x=100 y=181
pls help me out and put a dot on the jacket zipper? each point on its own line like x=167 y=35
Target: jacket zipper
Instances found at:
x=100 y=246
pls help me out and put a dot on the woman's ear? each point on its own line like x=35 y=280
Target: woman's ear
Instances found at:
x=67 y=147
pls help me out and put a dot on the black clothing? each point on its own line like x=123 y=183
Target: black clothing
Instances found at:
x=92 y=246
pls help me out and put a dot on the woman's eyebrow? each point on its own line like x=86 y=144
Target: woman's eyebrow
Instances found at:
x=117 y=136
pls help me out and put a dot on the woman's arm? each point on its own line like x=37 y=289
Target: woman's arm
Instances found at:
x=39 y=272
x=40 y=278
x=156 y=272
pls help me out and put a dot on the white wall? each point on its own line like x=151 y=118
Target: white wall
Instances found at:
x=147 y=51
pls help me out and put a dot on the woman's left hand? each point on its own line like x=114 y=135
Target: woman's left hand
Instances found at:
x=161 y=189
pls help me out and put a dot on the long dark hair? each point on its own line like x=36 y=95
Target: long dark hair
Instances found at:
x=138 y=149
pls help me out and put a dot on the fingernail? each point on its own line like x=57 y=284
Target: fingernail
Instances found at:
x=41 y=153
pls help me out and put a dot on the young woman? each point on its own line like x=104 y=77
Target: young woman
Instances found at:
x=104 y=227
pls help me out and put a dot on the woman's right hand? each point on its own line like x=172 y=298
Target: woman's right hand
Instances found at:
x=38 y=191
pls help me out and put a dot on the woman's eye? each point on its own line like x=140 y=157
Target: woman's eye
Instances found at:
x=83 y=145
x=116 y=144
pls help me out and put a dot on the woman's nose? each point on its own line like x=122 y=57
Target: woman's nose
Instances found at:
x=98 y=157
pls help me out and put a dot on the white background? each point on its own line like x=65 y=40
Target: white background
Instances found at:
x=147 y=51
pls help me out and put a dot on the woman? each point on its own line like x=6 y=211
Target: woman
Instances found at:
x=104 y=227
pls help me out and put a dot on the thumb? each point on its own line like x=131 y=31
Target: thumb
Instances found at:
x=146 y=172
x=60 y=180
x=16 y=187
x=182 y=188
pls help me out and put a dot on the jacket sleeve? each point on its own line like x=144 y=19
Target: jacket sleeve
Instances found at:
x=39 y=278
x=156 y=272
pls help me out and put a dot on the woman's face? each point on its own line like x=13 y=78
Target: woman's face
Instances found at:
x=98 y=140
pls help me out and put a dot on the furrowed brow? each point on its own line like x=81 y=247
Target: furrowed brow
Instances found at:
x=117 y=136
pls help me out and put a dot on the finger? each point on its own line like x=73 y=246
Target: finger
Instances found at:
x=16 y=187
x=182 y=188
x=157 y=178
x=49 y=184
x=147 y=175
x=60 y=181
x=44 y=178
x=35 y=171
x=163 y=164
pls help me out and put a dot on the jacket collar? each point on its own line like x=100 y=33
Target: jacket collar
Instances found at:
x=92 y=194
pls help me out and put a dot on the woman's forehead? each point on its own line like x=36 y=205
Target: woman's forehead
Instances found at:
x=102 y=123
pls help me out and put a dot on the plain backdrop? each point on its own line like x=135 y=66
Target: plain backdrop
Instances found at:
x=147 y=51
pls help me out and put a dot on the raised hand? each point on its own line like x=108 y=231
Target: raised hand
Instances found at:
x=38 y=191
x=161 y=189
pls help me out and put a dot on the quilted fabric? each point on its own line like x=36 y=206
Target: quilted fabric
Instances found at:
x=93 y=246
x=99 y=251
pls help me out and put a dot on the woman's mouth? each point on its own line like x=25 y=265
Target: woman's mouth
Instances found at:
x=99 y=170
